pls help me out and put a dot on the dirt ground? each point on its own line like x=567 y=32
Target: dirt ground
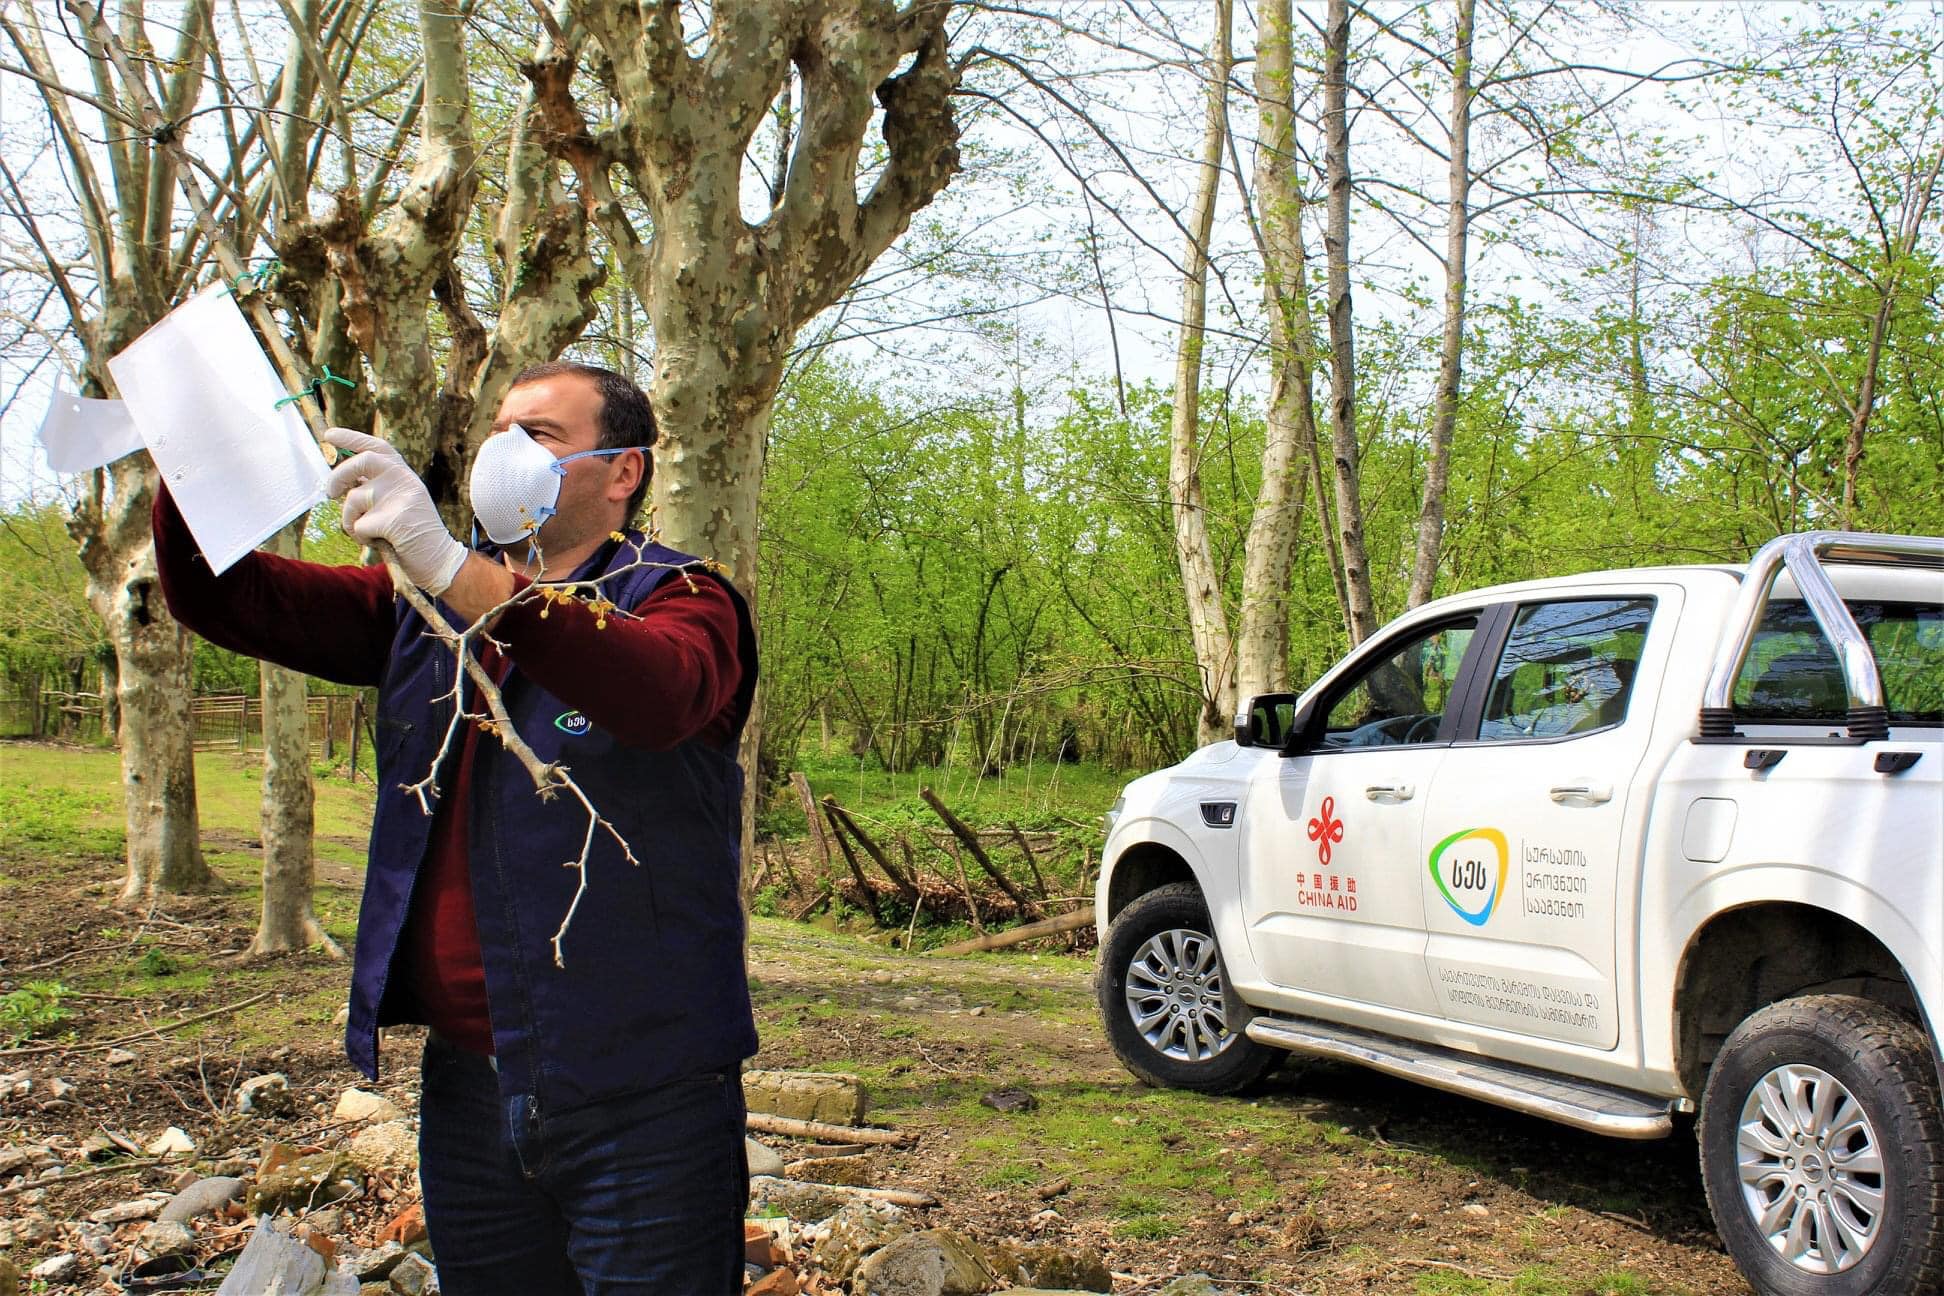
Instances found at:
x=1329 y=1180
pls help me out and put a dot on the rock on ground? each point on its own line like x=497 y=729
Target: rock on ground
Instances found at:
x=806 y=1095
x=853 y=1233
x=936 y=1262
x=1063 y=1268
x=266 y=1095
x=391 y=1146
x=415 y=1276
x=357 y=1105
x=167 y=1237
x=304 y=1183
x=202 y=1197
x=762 y=1160
x=807 y=1203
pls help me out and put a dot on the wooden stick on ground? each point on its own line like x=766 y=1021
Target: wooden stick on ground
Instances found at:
x=1039 y=882
x=72 y=1176
x=971 y=840
x=906 y=887
x=802 y=786
x=965 y=885
x=817 y=902
x=824 y=1131
x=896 y=1196
x=867 y=895
x=1018 y=935
x=138 y=1035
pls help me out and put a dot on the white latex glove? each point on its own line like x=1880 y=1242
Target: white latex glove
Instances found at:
x=385 y=500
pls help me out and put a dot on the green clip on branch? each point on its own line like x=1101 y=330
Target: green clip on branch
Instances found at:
x=261 y=276
x=314 y=387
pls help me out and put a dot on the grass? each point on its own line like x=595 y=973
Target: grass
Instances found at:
x=69 y=800
x=65 y=803
x=1042 y=795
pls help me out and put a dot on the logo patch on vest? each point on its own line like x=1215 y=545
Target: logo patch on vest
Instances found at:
x=572 y=722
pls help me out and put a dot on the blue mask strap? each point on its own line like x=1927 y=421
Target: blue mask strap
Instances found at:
x=559 y=465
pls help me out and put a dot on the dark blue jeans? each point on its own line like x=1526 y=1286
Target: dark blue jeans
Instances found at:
x=633 y=1195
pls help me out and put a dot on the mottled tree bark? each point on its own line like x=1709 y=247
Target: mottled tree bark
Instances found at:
x=1437 y=471
x=1201 y=584
x=286 y=820
x=1289 y=450
x=127 y=217
x=726 y=296
x=111 y=529
x=1343 y=349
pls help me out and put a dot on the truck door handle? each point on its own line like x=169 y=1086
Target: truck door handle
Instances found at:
x=1583 y=793
x=1390 y=793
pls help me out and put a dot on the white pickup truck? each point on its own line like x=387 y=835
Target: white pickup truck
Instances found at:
x=1605 y=849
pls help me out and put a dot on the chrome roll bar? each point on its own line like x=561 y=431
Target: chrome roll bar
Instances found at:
x=1802 y=555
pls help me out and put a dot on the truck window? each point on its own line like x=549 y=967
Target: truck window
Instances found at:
x=1401 y=698
x=1792 y=676
x=1567 y=668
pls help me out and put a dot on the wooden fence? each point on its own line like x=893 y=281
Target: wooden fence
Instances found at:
x=236 y=720
x=338 y=722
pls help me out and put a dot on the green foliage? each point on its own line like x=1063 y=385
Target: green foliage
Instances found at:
x=155 y=963
x=34 y=1009
x=43 y=814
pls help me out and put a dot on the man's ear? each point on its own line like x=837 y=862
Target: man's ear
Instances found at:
x=629 y=469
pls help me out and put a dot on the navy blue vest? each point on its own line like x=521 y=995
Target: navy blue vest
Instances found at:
x=654 y=986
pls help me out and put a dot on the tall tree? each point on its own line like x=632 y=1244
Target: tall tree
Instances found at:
x=139 y=265
x=727 y=295
x=1207 y=612
x=1351 y=551
x=1451 y=347
x=1289 y=448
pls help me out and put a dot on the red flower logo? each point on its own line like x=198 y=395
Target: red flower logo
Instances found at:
x=1325 y=829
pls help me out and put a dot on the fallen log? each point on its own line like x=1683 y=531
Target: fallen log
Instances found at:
x=824 y=1130
x=896 y=1196
x=1019 y=935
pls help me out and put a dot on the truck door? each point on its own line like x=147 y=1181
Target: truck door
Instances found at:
x=1525 y=822
x=1332 y=835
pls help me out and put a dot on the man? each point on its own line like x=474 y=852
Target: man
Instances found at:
x=581 y=1126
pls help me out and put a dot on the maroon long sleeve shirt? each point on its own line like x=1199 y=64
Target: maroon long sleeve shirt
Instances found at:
x=666 y=675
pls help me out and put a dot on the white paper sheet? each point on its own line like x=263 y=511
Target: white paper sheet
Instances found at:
x=204 y=398
x=80 y=433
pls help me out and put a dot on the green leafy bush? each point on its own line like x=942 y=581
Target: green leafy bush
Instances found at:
x=32 y=1010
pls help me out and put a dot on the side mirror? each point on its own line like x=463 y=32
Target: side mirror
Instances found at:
x=1265 y=719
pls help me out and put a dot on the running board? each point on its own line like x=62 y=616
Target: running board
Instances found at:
x=1618 y=1113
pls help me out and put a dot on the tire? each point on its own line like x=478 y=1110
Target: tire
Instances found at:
x=1189 y=1040
x=1822 y=1148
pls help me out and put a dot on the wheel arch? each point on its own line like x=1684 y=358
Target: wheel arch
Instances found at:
x=1143 y=867
x=1753 y=955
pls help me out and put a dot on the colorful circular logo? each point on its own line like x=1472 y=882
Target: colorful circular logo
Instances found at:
x=1470 y=868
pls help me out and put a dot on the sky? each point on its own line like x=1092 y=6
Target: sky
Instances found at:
x=1026 y=216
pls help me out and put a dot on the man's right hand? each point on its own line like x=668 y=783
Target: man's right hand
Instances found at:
x=385 y=500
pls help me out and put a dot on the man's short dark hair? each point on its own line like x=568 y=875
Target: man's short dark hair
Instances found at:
x=626 y=418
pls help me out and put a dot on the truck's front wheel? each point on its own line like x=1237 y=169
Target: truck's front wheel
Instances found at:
x=1163 y=1002
x=1822 y=1147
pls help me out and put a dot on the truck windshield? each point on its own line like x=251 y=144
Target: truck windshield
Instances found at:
x=1792 y=675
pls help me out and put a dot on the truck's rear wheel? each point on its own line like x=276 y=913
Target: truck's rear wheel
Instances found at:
x=1164 y=1002
x=1822 y=1147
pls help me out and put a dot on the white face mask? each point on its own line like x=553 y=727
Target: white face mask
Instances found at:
x=515 y=483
